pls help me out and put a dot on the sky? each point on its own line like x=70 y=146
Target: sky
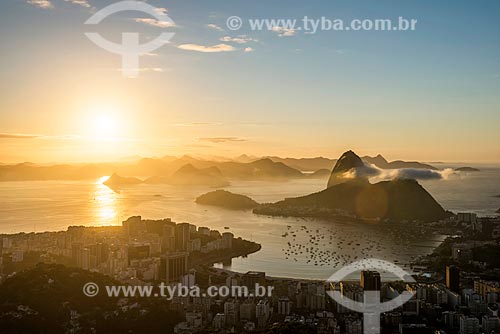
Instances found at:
x=432 y=94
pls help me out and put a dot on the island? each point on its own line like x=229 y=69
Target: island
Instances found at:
x=117 y=181
x=467 y=169
x=228 y=200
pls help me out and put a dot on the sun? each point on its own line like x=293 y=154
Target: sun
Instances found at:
x=105 y=124
x=103 y=120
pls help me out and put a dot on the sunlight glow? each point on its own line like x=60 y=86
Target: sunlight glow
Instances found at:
x=104 y=203
x=103 y=120
x=102 y=179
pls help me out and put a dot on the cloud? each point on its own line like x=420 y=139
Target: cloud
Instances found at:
x=198 y=145
x=18 y=136
x=191 y=124
x=412 y=173
x=207 y=49
x=161 y=10
x=376 y=174
x=83 y=3
x=421 y=174
x=146 y=69
x=152 y=69
x=364 y=171
x=284 y=32
x=45 y=4
x=215 y=27
x=221 y=139
x=248 y=49
x=155 y=22
x=242 y=39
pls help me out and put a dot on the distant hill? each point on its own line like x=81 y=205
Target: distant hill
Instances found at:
x=320 y=174
x=227 y=199
x=467 y=169
x=190 y=175
x=242 y=167
x=116 y=180
x=245 y=158
x=382 y=163
x=306 y=164
x=311 y=164
x=348 y=162
x=260 y=169
x=350 y=193
x=32 y=172
x=395 y=200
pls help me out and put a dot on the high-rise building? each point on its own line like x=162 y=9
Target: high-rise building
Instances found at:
x=284 y=306
x=370 y=280
x=453 y=278
x=138 y=252
x=467 y=217
x=353 y=326
x=247 y=310
x=219 y=321
x=189 y=279
x=315 y=296
x=133 y=226
x=262 y=313
x=227 y=240
x=251 y=278
x=490 y=324
x=204 y=230
x=168 y=238
x=415 y=329
x=173 y=266
x=484 y=288
x=182 y=237
x=451 y=319
x=231 y=312
x=469 y=325
x=98 y=254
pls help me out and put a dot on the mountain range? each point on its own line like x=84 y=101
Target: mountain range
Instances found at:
x=243 y=167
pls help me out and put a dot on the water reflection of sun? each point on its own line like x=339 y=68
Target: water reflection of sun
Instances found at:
x=104 y=202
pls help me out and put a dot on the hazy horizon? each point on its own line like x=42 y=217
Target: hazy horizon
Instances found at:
x=200 y=156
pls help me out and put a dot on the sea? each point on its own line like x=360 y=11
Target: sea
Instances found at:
x=291 y=247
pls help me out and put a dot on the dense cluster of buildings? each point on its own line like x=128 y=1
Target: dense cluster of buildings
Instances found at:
x=139 y=251
x=150 y=251
x=434 y=308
